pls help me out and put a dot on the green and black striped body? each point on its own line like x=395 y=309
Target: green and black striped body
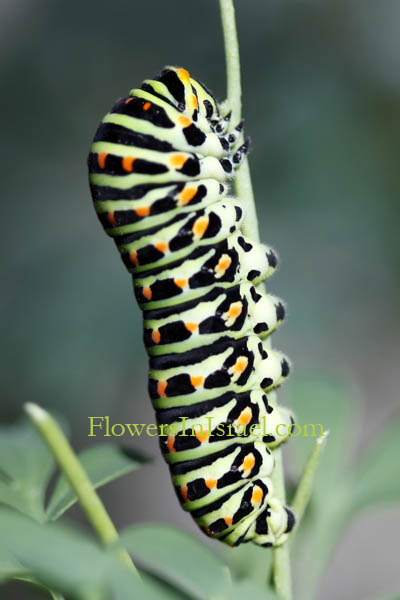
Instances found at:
x=160 y=166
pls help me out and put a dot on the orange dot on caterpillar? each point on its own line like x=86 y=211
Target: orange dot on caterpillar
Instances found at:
x=142 y=211
x=161 y=387
x=156 y=336
x=186 y=195
x=133 y=257
x=101 y=159
x=235 y=309
x=181 y=283
x=184 y=493
x=161 y=246
x=223 y=264
x=257 y=495
x=177 y=160
x=147 y=293
x=170 y=443
x=248 y=462
x=245 y=417
x=202 y=435
x=211 y=483
x=127 y=163
x=200 y=226
x=196 y=380
x=183 y=75
x=184 y=121
x=240 y=364
x=111 y=218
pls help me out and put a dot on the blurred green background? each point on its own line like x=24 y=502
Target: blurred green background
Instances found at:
x=322 y=106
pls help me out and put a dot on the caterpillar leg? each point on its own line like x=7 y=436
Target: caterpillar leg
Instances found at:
x=233 y=161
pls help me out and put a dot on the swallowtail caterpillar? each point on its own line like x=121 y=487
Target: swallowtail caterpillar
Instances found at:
x=160 y=166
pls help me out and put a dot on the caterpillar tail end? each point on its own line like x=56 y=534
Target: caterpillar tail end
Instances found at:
x=272 y=527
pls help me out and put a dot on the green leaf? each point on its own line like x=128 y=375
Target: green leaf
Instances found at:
x=164 y=591
x=191 y=566
x=67 y=560
x=9 y=566
x=58 y=557
x=177 y=557
x=375 y=479
x=25 y=468
x=26 y=578
x=103 y=463
x=16 y=495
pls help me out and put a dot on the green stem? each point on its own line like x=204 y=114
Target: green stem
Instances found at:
x=233 y=80
x=242 y=182
x=244 y=191
x=281 y=572
x=325 y=536
x=69 y=464
x=303 y=491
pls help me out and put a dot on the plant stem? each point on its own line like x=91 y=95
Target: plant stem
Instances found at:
x=281 y=572
x=242 y=182
x=303 y=491
x=244 y=191
x=77 y=477
x=233 y=80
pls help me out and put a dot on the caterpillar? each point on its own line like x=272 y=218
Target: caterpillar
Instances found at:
x=159 y=171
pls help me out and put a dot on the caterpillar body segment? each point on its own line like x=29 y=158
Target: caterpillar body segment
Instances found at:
x=206 y=372
x=223 y=313
x=159 y=169
x=200 y=431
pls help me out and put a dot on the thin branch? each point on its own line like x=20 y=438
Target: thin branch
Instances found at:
x=242 y=182
x=304 y=489
x=281 y=571
x=69 y=464
x=244 y=191
x=233 y=80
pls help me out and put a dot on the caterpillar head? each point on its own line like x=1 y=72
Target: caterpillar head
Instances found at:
x=188 y=95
